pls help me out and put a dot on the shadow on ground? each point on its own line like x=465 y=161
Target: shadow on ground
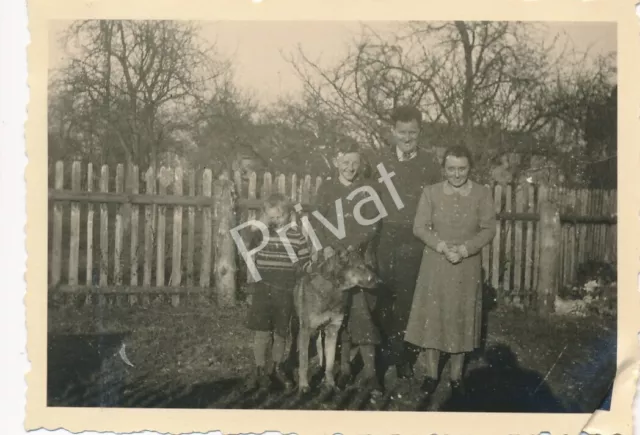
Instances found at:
x=80 y=364
x=503 y=385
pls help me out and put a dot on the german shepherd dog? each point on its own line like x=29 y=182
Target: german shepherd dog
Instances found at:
x=319 y=306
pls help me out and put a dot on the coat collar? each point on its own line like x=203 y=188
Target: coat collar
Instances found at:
x=464 y=190
x=402 y=158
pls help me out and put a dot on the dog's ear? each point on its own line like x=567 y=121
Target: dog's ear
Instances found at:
x=330 y=265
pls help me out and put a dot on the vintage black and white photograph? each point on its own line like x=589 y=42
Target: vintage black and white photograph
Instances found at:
x=332 y=215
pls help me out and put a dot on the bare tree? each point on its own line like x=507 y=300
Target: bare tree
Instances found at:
x=134 y=83
x=493 y=85
x=221 y=128
x=131 y=91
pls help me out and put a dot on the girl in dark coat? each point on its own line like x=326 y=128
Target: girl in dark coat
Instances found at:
x=357 y=199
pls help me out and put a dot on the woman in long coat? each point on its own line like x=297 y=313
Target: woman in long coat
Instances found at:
x=455 y=219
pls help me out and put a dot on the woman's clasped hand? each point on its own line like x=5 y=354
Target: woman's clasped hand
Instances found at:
x=453 y=253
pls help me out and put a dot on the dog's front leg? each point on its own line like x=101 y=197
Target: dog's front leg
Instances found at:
x=330 y=344
x=304 y=336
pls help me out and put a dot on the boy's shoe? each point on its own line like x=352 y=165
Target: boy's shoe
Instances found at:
x=429 y=385
x=404 y=371
x=281 y=376
x=402 y=389
x=256 y=379
x=265 y=382
x=371 y=384
x=344 y=377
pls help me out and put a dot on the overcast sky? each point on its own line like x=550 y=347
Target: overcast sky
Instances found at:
x=255 y=46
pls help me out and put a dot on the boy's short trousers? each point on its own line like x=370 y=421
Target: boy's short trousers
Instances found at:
x=271 y=309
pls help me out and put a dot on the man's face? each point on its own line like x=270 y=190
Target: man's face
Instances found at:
x=348 y=165
x=405 y=135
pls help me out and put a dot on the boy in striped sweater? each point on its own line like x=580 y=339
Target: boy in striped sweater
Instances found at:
x=272 y=299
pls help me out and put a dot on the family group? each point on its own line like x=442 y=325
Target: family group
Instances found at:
x=424 y=244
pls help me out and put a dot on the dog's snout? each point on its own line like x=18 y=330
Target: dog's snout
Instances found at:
x=372 y=280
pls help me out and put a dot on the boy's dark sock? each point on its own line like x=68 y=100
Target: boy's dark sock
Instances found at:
x=368 y=354
x=257 y=378
x=344 y=375
x=278 y=349
x=279 y=372
x=282 y=377
x=369 y=379
x=261 y=342
x=400 y=357
x=346 y=302
x=345 y=353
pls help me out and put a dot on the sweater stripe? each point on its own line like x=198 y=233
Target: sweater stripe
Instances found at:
x=275 y=255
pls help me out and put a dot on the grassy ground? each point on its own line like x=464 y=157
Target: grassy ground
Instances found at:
x=196 y=355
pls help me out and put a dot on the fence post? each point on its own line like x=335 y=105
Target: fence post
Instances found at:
x=550 y=245
x=225 y=253
x=56 y=251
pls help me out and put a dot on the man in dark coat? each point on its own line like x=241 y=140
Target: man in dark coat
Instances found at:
x=399 y=251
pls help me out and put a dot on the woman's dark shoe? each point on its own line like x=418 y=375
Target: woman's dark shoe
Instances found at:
x=457 y=389
x=429 y=385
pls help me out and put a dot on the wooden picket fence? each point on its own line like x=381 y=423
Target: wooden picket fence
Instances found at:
x=589 y=233
x=106 y=236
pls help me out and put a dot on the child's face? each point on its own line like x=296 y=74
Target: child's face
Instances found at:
x=456 y=170
x=405 y=135
x=246 y=167
x=276 y=216
x=348 y=165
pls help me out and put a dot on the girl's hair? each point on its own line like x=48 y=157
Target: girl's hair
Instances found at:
x=459 y=151
x=406 y=114
x=277 y=200
x=346 y=146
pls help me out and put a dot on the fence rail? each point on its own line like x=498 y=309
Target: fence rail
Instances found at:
x=67 y=196
x=135 y=234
